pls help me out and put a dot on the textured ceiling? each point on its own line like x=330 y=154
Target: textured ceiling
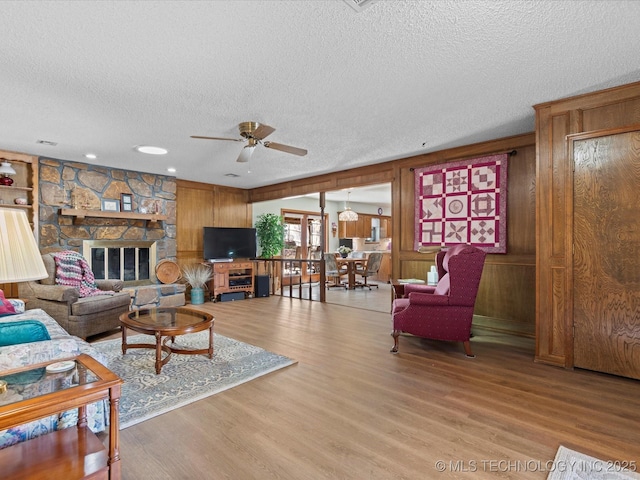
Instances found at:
x=397 y=79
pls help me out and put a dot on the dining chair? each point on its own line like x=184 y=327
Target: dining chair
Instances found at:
x=333 y=271
x=369 y=269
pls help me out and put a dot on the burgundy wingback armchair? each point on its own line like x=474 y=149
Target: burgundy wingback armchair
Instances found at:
x=443 y=312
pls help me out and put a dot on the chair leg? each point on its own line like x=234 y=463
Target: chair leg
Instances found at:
x=395 y=334
x=467 y=349
x=369 y=284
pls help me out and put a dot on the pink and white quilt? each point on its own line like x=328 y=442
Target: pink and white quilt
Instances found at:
x=462 y=202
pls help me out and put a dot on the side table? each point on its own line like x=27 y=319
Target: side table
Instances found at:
x=70 y=453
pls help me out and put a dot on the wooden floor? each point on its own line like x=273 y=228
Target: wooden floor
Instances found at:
x=349 y=409
x=378 y=298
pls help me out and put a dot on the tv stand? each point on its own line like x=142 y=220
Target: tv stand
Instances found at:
x=234 y=276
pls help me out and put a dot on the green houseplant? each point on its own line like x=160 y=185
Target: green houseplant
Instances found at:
x=270 y=232
x=197 y=275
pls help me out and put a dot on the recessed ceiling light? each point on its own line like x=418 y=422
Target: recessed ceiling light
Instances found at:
x=47 y=142
x=151 y=150
x=171 y=170
x=232 y=175
x=92 y=156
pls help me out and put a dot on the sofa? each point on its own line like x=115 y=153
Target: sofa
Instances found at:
x=61 y=345
x=81 y=317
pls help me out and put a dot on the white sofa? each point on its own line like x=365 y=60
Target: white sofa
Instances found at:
x=62 y=345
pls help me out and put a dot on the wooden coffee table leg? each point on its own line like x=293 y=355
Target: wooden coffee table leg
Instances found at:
x=211 y=341
x=158 y=352
x=124 y=339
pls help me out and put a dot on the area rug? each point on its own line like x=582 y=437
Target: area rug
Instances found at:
x=572 y=465
x=185 y=378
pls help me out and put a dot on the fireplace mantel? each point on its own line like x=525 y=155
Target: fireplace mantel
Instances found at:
x=79 y=214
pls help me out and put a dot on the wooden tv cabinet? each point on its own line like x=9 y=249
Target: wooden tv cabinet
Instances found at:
x=234 y=276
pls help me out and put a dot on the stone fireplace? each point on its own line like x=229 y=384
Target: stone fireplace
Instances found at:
x=117 y=246
x=133 y=262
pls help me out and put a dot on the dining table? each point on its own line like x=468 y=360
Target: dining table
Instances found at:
x=351 y=264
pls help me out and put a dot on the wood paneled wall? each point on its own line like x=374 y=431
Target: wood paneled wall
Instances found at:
x=203 y=205
x=612 y=108
x=506 y=299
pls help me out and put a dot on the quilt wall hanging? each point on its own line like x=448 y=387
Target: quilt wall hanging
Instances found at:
x=462 y=202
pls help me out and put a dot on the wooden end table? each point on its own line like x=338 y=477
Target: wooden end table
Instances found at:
x=70 y=452
x=167 y=323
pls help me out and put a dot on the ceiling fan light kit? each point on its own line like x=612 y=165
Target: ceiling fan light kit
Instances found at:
x=254 y=133
x=246 y=153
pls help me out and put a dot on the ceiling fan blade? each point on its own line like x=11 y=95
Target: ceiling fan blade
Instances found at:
x=286 y=148
x=219 y=138
x=263 y=131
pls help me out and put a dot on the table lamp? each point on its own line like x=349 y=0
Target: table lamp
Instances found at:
x=5 y=170
x=20 y=259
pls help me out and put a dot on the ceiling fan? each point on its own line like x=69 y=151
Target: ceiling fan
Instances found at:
x=254 y=133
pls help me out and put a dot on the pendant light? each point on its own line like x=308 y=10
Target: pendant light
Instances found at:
x=348 y=215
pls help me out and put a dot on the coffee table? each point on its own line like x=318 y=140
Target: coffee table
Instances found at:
x=167 y=323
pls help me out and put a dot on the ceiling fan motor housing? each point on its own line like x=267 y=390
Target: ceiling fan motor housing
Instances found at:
x=247 y=129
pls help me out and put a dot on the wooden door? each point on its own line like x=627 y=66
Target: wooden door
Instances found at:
x=606 y=290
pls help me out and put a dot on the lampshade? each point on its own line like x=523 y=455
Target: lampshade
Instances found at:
x=348 y=215
x=20 y=259
x=246 y=153
x=7 y=169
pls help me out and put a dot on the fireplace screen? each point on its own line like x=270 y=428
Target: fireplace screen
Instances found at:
x=131 y=262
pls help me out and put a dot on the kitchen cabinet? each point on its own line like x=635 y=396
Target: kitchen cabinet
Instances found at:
x=385 y=227
x=362 y=227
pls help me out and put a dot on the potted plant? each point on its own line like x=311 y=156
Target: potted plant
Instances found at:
x=344 y=251
x=270 y=232
x=197 y=275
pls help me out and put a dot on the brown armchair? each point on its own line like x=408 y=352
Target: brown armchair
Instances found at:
x=443 y=312
x=81 y=317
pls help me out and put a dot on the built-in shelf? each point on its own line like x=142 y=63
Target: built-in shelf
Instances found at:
x=11 y=187
x=80 y=214
x=15 y=205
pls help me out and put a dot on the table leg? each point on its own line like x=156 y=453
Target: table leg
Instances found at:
x=211 y=341
x=351 y=271
x=124 y=339
x=158 y=352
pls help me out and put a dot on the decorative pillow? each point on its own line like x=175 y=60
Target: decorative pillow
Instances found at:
x=18 y=305
x=25 y=331
x=443 y=286
x=6 y=308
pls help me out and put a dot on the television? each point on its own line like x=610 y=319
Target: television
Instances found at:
x=229 y=243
